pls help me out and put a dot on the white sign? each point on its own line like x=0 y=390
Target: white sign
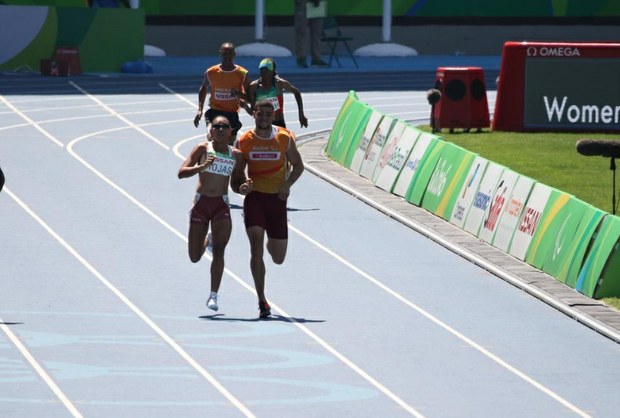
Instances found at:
x=396 y=160
x=412 y=164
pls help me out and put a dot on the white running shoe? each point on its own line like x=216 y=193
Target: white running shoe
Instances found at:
x=212 y=303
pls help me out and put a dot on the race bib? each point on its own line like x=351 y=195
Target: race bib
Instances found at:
x=222 y=165
x=224 y=94
x=275 y=102
x=265 y=155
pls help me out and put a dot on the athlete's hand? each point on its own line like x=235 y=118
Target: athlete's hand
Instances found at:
x=284 y=191
x=208 y=162
x=303 y=121
x=247 y=107
x=246 y=187
x=197 y=119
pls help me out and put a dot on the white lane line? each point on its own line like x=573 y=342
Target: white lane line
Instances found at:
x=178 y=145
x=121 y=117
x=33 y=123
x=30 y=358
x=179 y=96
x=238 y=279
x=432 y=318
x=397 y=296
x=111 y=183
x=176 y=347
x=117 y=292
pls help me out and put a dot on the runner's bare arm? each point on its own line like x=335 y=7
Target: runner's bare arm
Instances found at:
x=285 y=85
x=191 y=166
x=293 y=156
x=238 y=181
x=202 y=95
x=252 y=96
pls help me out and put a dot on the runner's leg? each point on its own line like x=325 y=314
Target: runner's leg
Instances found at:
x=277 y=249
x=221 y=230
x=256 y=236
x=196 y=240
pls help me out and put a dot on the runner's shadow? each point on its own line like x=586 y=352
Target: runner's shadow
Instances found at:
x=300 y=210
x=222 y=317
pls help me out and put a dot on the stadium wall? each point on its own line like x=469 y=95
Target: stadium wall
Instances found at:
x=106 y=38
x=426 y=39
x=416 y=8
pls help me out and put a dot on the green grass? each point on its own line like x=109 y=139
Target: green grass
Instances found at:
x=550 y=158
x=613 y=302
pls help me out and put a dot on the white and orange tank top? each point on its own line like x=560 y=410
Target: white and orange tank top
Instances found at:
x=222 y=84
x=266 y=158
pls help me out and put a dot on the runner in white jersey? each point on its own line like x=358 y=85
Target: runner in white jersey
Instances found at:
x=214 y=162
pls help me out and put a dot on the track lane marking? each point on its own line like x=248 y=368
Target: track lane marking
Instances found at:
x=426 y=314
x=118 y=115
x=467 y=340
x=240 y=281
x=169 y=340
x=27 y=355
x=32 y=122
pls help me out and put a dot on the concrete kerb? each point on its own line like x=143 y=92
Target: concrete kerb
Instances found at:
x=534 y=282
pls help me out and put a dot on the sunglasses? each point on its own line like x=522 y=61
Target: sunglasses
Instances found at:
x=220 y=127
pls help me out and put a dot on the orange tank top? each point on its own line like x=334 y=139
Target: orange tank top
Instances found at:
x=222 y=85
x=266 y=158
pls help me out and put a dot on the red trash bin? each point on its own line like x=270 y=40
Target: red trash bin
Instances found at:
x=463 y=101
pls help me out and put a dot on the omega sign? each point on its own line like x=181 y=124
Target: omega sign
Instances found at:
x=545 y=51
x=558 y=86
x=571 y=94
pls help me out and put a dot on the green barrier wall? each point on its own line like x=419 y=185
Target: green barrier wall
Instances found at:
x=609 y=285
x=422 y=176
x=447 y=179
x=548 y=228
x=559 y=252
x=348 y=128
x=593 y=279
x=574 y=242
x=334 y=135
x=590 y=221
x=106 y=38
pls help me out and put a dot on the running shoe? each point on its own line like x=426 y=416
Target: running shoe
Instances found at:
x=265 y=310
x=212 y=303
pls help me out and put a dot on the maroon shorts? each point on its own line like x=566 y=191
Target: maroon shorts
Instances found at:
x=268 y=211
x=209 y=209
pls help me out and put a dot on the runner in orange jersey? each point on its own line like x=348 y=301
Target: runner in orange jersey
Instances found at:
x=227 y=84
x=267 y=150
